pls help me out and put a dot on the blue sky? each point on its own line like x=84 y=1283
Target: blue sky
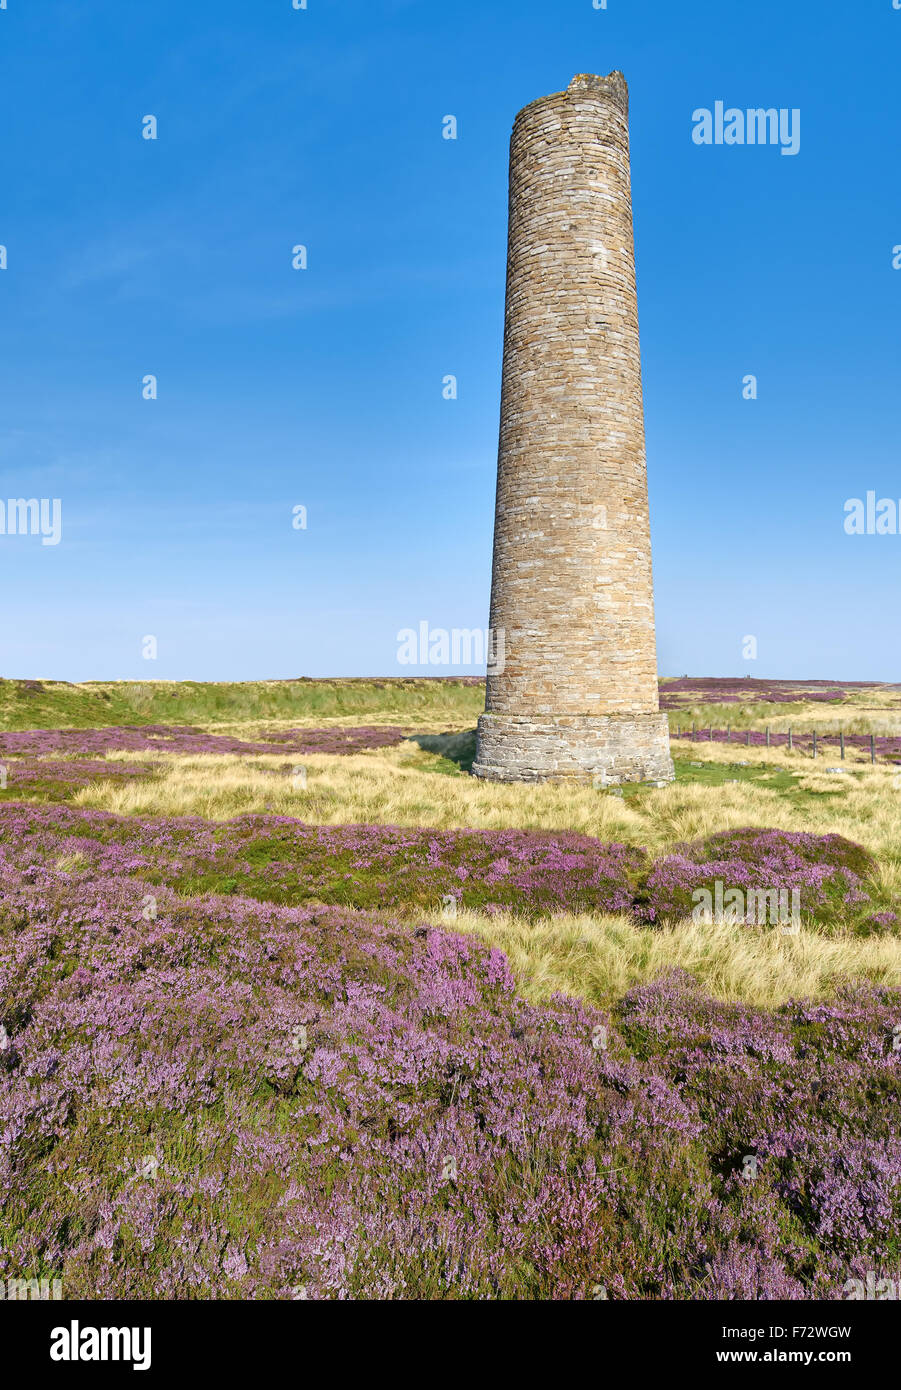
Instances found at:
x=323 y=388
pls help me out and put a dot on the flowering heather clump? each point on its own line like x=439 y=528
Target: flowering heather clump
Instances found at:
x=280 y=859
x=796 y=1091
x=54 y=780
x=167 y=738
x=831 y=873
x=224 y=1098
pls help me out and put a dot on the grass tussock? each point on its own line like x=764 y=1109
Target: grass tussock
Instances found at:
x=600 y=958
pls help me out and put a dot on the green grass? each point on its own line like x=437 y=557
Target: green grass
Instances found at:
x=775 y=779
x=95 y=704
x=58 y=705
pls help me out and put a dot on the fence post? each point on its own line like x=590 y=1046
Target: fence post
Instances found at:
x=872 y=748
x=814 y=743
x=748 y=739
x=790 y=744
x=767 y=735
x=842 y=739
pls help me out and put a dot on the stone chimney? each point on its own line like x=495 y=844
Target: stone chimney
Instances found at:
x=575 y=695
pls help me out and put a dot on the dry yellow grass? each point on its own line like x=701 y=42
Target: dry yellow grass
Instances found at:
x=599 y=958
x=403 y=786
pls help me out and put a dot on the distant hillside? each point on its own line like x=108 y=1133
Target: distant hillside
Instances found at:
x=35 y=704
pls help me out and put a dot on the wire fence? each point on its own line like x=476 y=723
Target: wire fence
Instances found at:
x=813 y=744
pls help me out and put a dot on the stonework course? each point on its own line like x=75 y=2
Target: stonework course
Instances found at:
x=571 y=584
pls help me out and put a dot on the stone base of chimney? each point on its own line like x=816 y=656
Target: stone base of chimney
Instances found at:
x=602 y=750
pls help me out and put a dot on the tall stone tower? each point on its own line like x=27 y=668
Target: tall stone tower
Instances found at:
x=576 y=693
